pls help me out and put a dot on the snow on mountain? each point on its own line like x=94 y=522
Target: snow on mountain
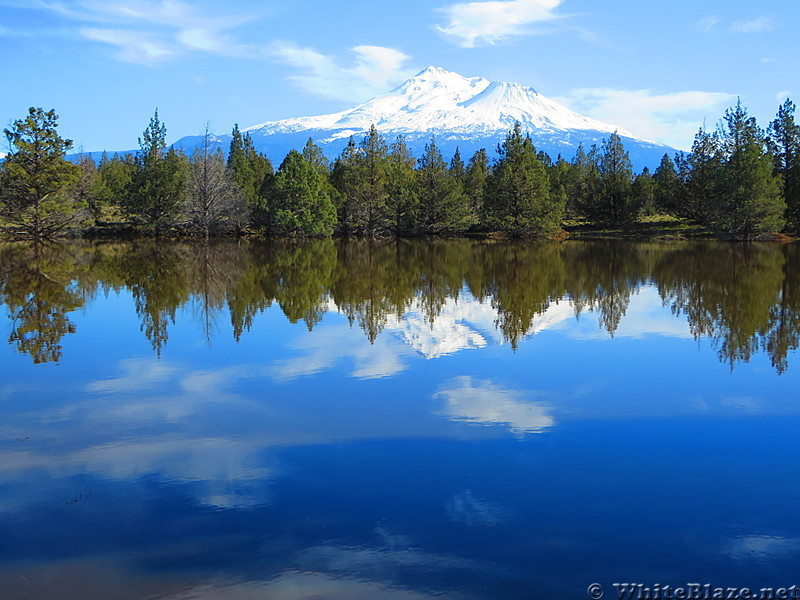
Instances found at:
x=436 y=100
x=460 y=324
x=464 y=112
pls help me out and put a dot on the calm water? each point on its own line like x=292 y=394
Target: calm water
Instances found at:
x=402 y=421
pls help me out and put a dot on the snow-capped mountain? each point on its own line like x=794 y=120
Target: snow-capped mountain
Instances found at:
x=464 y=112
x=463 y=323
x=439 y=101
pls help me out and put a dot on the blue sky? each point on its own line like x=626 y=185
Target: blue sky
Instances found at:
x=658 y=69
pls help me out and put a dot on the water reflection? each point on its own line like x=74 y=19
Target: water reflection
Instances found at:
x=39 y=286
x=486 y=403
x=440 y=296
x=348 y=420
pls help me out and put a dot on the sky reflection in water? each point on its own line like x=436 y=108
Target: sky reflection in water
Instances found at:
x=428 y=420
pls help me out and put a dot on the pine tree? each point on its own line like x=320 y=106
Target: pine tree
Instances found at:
x=87 y=189
x=116 y=175
x=362 y=177
x=559 y=173
x=156 y=192
x=666 y=186
x=402 y=202
x=372 y=176
x=583 y=182
x=444 y=208
x=237 y=160
x=644 y=192
x=457 y=167
x=250 y=170
x=314 y=155
x=35 y=179
x=298 y=200
x=615 y=203
x=518 y=198
x=700 y=174
x=784 y=141
x=343 y=178
x=475 y=180
x=751 y=201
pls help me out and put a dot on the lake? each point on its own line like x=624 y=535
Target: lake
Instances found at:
x=401 y=420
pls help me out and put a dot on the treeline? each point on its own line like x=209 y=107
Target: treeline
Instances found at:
x=739 y=181
x=745 y=298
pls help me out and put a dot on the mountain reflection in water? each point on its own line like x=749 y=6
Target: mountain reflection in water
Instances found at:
x=745 y=298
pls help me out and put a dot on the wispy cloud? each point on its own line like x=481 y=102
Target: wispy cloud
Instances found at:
x=138 y=374
x=329 y=345
x=149 y=32
x=465 y=507
x=376 y=69
x=707 y=23
x=472 y=23
x=753 y=26
x=670 y=118
x=133 y=46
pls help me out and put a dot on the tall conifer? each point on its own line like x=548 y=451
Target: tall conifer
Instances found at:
x=784 y=141
x=518 y=198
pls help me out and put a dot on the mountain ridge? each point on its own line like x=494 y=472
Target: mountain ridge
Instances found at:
x=439 y=100
x=465 y=113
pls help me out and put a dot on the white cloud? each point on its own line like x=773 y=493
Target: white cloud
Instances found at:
x=753 y=26
x=138 y=374
x=783 y=95
x=199 y=39
x=150 y=32
x=707 y=23
x=745 y=404
x=147 y=32
x=376 y=69
x=472 y=23
x=756 y=25
x=671 y=118
x=328 y=345
x=134 y=46
x=485 y=403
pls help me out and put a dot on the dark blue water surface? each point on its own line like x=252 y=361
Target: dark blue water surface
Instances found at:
x=455 y=419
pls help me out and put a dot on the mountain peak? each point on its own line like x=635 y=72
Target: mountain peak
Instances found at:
x=437 y=100
x=471 y=111
x=434 y=71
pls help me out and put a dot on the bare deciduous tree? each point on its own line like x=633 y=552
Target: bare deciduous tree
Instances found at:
x=214 y=203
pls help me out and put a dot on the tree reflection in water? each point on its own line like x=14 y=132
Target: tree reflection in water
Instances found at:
x=744 y=297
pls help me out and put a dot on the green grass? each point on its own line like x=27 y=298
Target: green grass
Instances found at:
x=649 y=226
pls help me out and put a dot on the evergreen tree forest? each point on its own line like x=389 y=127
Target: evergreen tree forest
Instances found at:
x=739 y=181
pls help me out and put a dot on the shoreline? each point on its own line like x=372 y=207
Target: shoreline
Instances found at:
x=654 y=229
